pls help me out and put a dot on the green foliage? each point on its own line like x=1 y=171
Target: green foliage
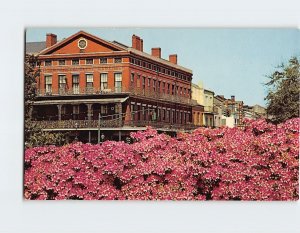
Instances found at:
x=33 y=135
x=283 y=92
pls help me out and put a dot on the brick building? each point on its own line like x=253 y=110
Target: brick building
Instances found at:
x=85 y=80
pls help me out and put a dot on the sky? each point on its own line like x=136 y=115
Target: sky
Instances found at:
x=227 y=61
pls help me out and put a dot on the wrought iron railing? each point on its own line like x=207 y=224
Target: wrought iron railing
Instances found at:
x=114 y=123
x=156 y=95
x=73 y=124
x=134 y=91
x=79 y=91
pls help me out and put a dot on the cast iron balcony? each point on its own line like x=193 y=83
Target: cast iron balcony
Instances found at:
x=79 y=91
x=114 y=123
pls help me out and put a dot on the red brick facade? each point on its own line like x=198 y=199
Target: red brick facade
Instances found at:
x=110 y=78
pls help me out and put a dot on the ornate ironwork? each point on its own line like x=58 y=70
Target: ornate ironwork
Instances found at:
x=114 y=123
x=79 y=91
x=161 y=96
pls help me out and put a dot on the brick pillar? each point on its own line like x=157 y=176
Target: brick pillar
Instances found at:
x=59 y=111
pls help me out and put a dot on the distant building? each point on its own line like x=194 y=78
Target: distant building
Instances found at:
x=205 y=98
x=254 y=112
x=198 y=96
x=209 y=110
x=228 y=112
x=219 y=102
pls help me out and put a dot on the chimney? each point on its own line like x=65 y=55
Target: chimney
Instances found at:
x=173 y=58
x=142 y=45
x=156 y=52
x=137 y=43
x=51 y=39
x=233 y=98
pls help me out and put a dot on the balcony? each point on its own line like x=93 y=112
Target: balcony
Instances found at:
x=108 y=124
x=133 y=91
x=155 y=95
x=79 y=91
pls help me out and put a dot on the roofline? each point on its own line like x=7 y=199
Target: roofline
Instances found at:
x=165 y=62
x=117 y=46
x=75 y=35
x=209 y=91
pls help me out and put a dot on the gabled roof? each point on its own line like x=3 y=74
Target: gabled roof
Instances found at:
x=78 y=34
x=34 y=47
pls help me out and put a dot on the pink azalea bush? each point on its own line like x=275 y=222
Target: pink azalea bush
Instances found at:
x=258 y=162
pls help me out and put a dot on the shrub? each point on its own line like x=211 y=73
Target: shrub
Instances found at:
x=258 y=162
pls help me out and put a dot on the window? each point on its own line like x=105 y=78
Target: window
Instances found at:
x=168 y=116
x=48 y=83
x=138 y=81
x=118 y=60
x=144 y=82
x=89 y=61
x=89 y=82
x=158 y=86
x=61 y=62
x=75 y=109
x=62 y=83
x=75 y=83
x=149 y=80
x=75 y=112
x=103 y=80
x=48 y=63
x=103 y=60
x=163 y=87
x=75 y=62
x=132 y=77
x=168 y=88
x=118 y=82
x=144 y=113
x=154 y=85
x=103 y=109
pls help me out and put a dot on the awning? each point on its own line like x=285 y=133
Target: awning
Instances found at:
x=81 y=101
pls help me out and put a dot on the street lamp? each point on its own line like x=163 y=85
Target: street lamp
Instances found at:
x=76 y=127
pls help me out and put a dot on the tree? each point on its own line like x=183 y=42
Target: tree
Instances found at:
x=283 y=92
x=34 y=135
